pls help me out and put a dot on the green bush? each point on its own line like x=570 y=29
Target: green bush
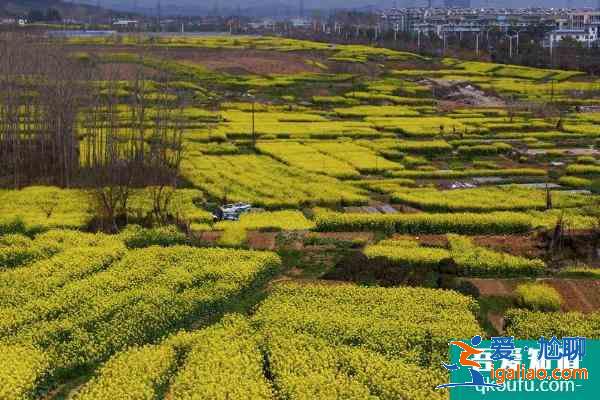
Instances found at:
x=134 y=236
x=538 y=297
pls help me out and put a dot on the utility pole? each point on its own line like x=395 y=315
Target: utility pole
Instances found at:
x=158 y=16
x=253 y=123
x=445 y=43
x=510 y=40
x=477 y=44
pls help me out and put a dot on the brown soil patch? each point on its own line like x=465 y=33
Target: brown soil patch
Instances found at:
x=125 y=72
x=578 y=294
x=367 y=236
x=493 y=287
x=497 y=321
x=306 y=281
x=356 y=267
x=262 y=240
x=434 y=241
x=524 y=246
x=209 y=236
x=237 y=61
x=245 y=61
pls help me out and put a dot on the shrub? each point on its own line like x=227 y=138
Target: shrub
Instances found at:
x=135 y=236
x=538 y=297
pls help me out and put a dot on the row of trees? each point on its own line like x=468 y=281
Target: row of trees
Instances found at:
x=48 y=15
x=493 y=44
x=64 y=121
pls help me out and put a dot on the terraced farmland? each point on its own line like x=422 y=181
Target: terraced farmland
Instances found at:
x=389 y=215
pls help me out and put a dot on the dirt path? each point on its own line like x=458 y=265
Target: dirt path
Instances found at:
x=492 y=287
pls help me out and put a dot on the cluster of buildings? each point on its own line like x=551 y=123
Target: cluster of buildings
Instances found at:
x=13 y=21
x=559 y=24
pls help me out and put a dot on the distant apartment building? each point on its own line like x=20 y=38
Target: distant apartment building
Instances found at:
x=582 y=27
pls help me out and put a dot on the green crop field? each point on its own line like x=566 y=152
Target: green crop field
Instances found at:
x=397 y=202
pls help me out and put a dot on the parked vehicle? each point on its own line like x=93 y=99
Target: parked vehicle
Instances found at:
x=231 y=212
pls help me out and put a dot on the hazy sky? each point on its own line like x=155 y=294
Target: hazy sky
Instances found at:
x=311 y=4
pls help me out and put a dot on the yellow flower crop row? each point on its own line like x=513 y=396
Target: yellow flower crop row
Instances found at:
x=223 y=361
x=538 y=297
x=463 y=258
x=485 y=199
x=418 y=127
x=401 y=323
x=17 y=250
x=41 y=208
x=305 y=342
x=376 y=111
x=308 y=158
x=307 y=367
x=472 y=260
x=43 y=278
x=445 y=174
x=88 y=304
x=409 y=256
x=425 y=223
x=284 y=220
x=137 y=374
x=533 y=324
x=361 y=158
x=22 y=369
x=262 y=181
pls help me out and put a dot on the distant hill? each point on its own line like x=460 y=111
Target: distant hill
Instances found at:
x=66 y=9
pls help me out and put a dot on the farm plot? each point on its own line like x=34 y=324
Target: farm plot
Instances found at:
x=418 y=127
x=97 y=301
x=308 y=158
x=266 y=182
x=238 y=124
x=361 y=158
x=486 y=199
x=462 y=258
x=319 y=342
